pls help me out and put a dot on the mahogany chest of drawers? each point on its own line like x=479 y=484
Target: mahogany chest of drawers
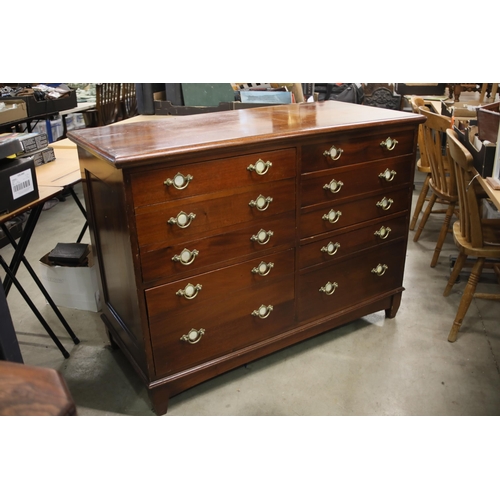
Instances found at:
x=223 y=237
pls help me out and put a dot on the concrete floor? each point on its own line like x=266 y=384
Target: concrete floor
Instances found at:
x=373 y=366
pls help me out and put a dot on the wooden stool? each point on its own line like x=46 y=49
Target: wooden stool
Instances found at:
x=33 y=391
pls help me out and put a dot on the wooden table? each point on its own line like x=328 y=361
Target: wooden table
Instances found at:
x=493 y=194
x=62 y=172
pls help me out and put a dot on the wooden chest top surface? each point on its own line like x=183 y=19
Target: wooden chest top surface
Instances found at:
x=132 y=144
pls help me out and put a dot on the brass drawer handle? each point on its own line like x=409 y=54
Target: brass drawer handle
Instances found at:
x=389 y=144
x=263 y=269
x=332 y=216
x=331 y=248
x=186 y=257
x=385 y=203
x=263 y=311
x=334 y=153
x=261 y=167
x=388 y=175
x=179 y=181
x=334 y=186
x=261 y=203
x=329 y=288
x=383 y=232
x=193 y=336
x=182 y=220
x=190 y=291
x=262 y=237
x=380 y=269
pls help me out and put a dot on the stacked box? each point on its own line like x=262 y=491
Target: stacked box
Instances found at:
x=18 y=184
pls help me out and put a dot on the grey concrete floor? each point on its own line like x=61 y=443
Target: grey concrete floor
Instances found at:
x=373 y=366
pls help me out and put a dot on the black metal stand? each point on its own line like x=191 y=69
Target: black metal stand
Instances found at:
x=18 y=257
x=32 y=306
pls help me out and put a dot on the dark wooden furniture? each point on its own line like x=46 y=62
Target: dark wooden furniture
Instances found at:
x=33 y=391
x=224 y=237
x=381 y=95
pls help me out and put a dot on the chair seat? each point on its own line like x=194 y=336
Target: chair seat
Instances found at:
x=491 y=232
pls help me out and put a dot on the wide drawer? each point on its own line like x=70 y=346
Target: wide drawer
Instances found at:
x=356 y=149
x=336 y=215
x=181 y=340
x=170 y=183
x=327 y=289
x=183 y=220
x=172 y=262
x=191 y=293
x=339 y=244
x=318 y=187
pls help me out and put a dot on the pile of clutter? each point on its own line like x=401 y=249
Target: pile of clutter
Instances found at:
x=40 y=92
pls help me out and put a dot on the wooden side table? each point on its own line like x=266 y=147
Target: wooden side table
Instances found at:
x=33 y=391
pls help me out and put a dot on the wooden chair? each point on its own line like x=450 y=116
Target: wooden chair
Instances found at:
x=107 y=105
x=422 y=165
x=442 y=181
x=128 y=100
x=474 y=237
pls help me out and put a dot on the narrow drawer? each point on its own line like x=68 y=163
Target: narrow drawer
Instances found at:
x=221 y=326
x=336 y=215
x=171 y=183
x=167 y=263
x=328 y=289
x=340 y=244
x=318 y=187
x=355 y=149
x=183 y=220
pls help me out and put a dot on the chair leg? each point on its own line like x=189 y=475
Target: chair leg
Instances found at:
x=442 y=234
x=420 y=202
x=459 y=264
x=427 y=212
x=466 y=299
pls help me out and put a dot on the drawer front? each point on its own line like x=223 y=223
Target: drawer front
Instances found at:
x=174 y=261
x=191 y=293
x=171 y=183
x=183 y=220
x=322 y=186
x=340 y=244
x=227 y=325
x=336 y=215
x=355 y=149
x=350 y=281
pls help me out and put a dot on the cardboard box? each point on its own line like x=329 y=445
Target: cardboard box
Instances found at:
x=72 y=287
x=18 y=183
x=13 y=111
x=16 y=143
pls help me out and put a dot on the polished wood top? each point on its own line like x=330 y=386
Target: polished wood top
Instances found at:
x=131 y=144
